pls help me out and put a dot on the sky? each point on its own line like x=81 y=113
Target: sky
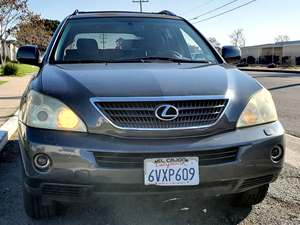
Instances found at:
x=261 y=20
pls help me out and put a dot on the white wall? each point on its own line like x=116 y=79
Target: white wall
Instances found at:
x=251 y=51
x=11 y=51
x=293 y=51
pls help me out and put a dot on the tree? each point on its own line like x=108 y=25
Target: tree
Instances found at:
x=11 y=12
x=282 y=38
x=237 y=38
x=214 y=42
x=51 y=25
x=33 y=31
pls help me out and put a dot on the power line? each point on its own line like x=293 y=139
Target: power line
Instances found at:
x=215 y=9
x=222 y=13
x=199 y=6
x=141 y=3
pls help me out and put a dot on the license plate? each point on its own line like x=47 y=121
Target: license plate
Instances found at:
x=179 y=171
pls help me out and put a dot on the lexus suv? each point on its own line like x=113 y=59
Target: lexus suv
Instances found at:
x=141 y=103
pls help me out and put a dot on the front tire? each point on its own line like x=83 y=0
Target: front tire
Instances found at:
x=36 y=209
x=251 y=197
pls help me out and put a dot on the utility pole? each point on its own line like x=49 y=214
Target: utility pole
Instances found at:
x=141 y=3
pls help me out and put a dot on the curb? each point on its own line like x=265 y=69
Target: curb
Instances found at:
x=8 y=129
x=267 y=70
x=292 y=154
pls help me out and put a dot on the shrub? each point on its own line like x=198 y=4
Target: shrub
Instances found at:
x=272 y=65
x=10 y=69
x=7 y=59
x=251 y=60
x=286 y=60
x=298 y=60
x=261 y=60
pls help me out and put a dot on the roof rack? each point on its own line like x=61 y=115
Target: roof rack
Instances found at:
x=166 y=12
x=75 y=12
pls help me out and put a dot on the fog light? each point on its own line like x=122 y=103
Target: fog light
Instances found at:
x=41 y=161
x=276 y=154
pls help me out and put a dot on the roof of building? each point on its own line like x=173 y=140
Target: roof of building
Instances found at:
x=276 y=44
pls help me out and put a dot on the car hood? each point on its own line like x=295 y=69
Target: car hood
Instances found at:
x=75 y=84
x=148 y=79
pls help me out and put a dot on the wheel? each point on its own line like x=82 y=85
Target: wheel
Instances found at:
x=250 y=197
x=35 y=208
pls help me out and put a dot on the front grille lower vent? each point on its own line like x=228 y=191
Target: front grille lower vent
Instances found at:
x=136 y=160
x=141 y=114
x=62 y=190
x=256 y=181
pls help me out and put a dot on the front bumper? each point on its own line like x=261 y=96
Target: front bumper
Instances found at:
x=75 y=174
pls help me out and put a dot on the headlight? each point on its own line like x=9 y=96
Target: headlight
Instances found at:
x=260 y=109
x=42 y=111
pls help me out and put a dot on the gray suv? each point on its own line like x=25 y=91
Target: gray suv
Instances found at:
x=129 y=102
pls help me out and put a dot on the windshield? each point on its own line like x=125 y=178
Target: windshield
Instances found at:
x=130 y=39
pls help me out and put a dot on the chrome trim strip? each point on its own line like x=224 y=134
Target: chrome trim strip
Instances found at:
x=158 y=98
x=93 y=100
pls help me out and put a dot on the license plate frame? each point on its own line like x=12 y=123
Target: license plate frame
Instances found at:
x=172 y=171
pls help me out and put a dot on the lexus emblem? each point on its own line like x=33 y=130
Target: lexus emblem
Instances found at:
x=166 y=112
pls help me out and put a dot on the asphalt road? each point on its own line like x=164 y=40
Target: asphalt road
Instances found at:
x=285 y=88
x=281 y=206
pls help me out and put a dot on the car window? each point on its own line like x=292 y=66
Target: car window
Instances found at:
x=105 y=40
x=194 y=49
x=111 y=39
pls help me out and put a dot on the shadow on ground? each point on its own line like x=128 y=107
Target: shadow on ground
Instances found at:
x=284 y=86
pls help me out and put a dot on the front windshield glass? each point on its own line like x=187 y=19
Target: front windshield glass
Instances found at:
x=123 y=39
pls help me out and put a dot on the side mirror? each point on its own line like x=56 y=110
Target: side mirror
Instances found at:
x=231 y=54
x=29 y=54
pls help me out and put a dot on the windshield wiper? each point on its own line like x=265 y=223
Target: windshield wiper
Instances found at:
x=141 y=59
x=153 y=58
x=79 y=61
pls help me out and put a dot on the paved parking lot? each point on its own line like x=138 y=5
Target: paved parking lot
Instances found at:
x=282 y=205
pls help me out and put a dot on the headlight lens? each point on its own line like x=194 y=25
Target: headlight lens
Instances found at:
x=67 y=119
x=42 y=111
x=260 y=109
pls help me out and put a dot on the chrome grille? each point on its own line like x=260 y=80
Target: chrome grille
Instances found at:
x=141 y=114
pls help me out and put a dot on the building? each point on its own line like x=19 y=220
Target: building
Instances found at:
x=286 y=53
x=10 y=50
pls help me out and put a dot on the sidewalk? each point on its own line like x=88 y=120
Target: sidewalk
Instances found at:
x=292 y=155
x=274 y=70
x=10 y=95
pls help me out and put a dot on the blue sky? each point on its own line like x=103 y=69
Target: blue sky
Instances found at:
x=262 y=20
